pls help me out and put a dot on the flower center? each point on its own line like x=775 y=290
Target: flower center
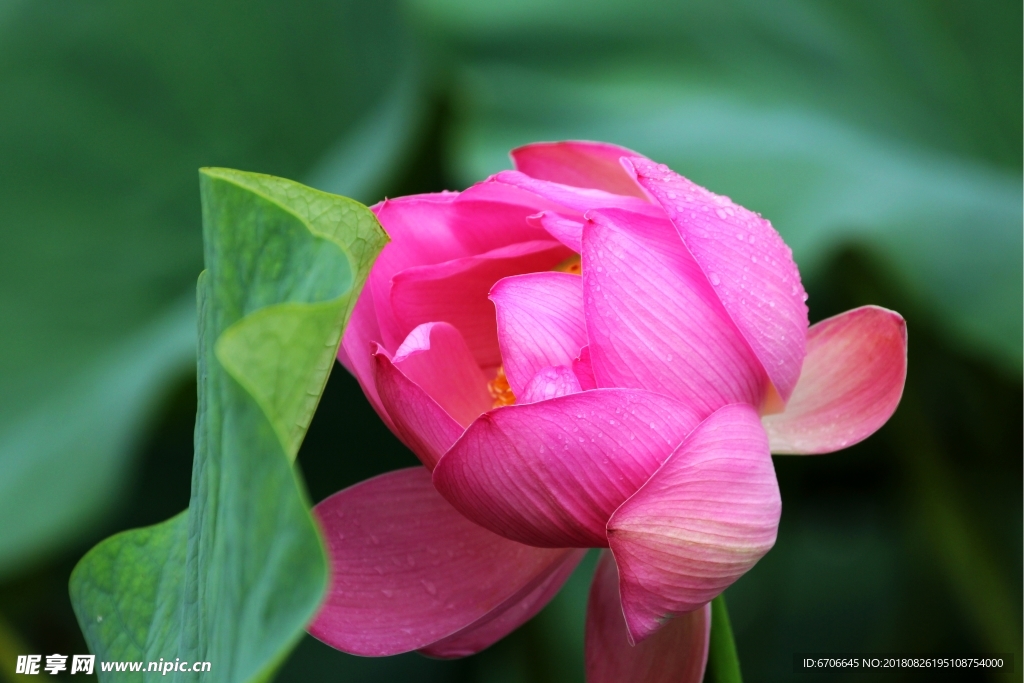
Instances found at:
x=572 y=265
x=501 y=392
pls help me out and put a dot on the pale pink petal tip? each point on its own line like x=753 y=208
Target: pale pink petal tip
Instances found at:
x=408 y=571
x=700 y=522
x=677 y=653
x=851 y=383
x=746 y=260
x=578 y=163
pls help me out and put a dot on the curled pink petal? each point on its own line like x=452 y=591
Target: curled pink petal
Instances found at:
x=436 y=228
x=677 y=653
x=749 y=265
x=408 y=570
x=488 y=216
x=568 y=231
x=550 y=382
x=580 y=164
x=512 y=614
x=436 y=357
x=577 y=199
x=551 y=473
x=851 y=383
x=540 y=323
x=416 y=418
x=654 y=321
x=420 y=233
x=456 y=292
x=700 y=522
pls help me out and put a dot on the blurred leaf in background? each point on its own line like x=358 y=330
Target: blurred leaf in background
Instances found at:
x=892 y=125
x=107 y=110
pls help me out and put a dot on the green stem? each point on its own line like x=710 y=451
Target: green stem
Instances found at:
x=723 y=662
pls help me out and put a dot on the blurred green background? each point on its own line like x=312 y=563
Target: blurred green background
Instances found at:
x=883 y=140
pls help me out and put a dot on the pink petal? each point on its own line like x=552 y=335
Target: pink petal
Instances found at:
x=566 y=230
x=436 y=357
x=677 y=653
x=584 y=370
x=407 y=570
x=751 y=267
x=700 y=522
x=577 y=199
x=415 y=417
x=540 y=323
x=456 y=292
x=653 y=320
x=551 y=473
x=491 y=215
x=506 y=618
x=580 y=164
x=432 y=229
x=550 y=382
x=851 y=383
x=420 y=231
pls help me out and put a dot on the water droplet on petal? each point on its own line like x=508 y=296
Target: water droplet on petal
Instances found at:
x=715 y=280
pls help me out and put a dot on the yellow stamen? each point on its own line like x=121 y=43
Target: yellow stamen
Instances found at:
x=501 y=392
x=572 y=265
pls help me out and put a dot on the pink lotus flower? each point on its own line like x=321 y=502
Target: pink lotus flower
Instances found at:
x=587 y=352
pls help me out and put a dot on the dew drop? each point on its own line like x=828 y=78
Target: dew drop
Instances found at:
x=715 y=280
